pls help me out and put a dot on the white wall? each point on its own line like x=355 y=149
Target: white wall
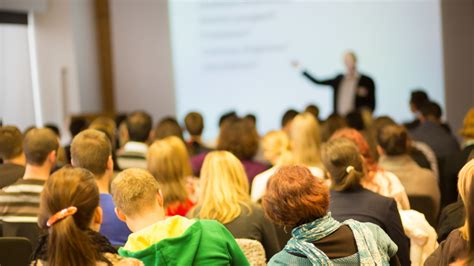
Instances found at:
x=143 y=75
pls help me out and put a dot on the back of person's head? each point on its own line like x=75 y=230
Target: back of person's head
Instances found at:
x=467 y=130
x=91 y=149
x=77 y=125
x=167 y=127
x=168 y=162
x=224 y=187
x=393 y=139
x=431 y=109
x=305 y=139
x=275 y=144
x=54 y=128
x=417 y=99
x=135 y=191
x=465 y=183
x=240 y=137
x=344 y=164
x=287 y=117
x=355 y=120
x=333 y=123
x=381 y=122
x=139 y=126
x=361 y=143
x=227 y=116
x=38 y=144
x=107 y=126
x=314 y=110
x=194 y=123
x=11 y=142
x=252 y=118
x=70 y=190
x=295 y=197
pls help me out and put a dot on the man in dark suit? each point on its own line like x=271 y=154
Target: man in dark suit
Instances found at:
x=352 y=90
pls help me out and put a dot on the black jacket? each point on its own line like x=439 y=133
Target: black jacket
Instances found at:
x=361 y=101
x=366 y=206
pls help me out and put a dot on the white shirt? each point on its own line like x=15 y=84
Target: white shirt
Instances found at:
x=347 y=92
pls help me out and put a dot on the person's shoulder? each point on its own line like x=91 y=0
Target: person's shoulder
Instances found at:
x=285 y=258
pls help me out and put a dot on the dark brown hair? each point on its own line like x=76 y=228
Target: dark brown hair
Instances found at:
x=393 y=139
x=11 y=141
x=333 y=123
x=168 y=127
x=194 y=123
x=343 y=161
x=295 y=197
x=38 y=144
x=139 y=126
x=68 y=241
x=91 y=150
x=239 y=136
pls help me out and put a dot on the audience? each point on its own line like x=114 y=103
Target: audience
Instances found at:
x=194 y=123
x=224 y=197
x=294 y=199
x=157 y=240
x=417 y=99
x=11 y=152
x=91 y=150
x=135 y=150
x=19 y=202
x=108 y=127
x=168 y=162
x=349 y=200
x=332 y=124
x=393 y=147
x=72 y=220
x=314 y=110
x=167 y=127
x=287 y=118
x=457 y=245
x=76 y=125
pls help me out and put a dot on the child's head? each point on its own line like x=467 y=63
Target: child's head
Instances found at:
x=136 y=193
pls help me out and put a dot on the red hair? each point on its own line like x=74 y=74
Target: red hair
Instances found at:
x=295 y=197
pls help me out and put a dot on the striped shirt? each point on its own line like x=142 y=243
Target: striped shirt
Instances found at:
x=19 y=202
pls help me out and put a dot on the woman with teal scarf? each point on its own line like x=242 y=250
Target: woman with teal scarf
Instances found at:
x=295 y=199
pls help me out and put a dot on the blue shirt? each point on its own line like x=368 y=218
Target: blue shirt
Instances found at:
x=115 y=230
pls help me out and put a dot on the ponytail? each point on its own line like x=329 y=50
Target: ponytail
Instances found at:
x=349 y=179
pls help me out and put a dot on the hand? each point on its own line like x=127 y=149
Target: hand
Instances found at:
x=295 y=64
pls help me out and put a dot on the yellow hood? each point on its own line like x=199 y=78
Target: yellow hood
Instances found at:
x=171 y=227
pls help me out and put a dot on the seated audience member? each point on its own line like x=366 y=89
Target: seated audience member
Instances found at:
x=72 y=221
x=305 y=143
x=91 y=150
x=314 y=110
x=349 y=200
x=287 y=118
x=11 y=152
x=76 y=125
x=61 y=158
x=294 y=199
x=393 y=148
x=276 y=150
x=443 y=143
x=19 y=202
x=239 y=136
x=194 y=123
x=168 y=162
x=456 y=247
x=224 y=197
x=417 y=99
x=167 y=127
x=157 y=240
x=377 y=179
x=135 y=150
x=332 y=124
x=108 y=127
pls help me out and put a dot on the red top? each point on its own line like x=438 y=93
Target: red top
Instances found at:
x=179 y=208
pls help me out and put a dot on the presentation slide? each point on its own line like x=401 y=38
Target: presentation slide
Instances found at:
x=236 y=55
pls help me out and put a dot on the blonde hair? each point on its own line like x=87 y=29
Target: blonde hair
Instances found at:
x=133 y=190
x=306 y=140
x=465 y=176
x=168 y=162
x=224 y=188
x=468 y=126
x=275 y=144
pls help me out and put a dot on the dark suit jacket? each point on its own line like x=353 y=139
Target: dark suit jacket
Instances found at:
x=361 y=101
x=366 y=206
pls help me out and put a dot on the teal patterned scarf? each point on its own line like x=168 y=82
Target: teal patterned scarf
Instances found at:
x=305 y=235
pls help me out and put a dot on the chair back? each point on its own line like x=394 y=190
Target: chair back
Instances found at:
x=253 y=250
x=426 y=205
x=31 y=231
x=15 y=251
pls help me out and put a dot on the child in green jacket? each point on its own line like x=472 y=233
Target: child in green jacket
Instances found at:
x=158 y=240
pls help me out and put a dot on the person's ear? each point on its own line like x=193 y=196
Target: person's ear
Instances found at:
x=110 y=163
x=52 y=156
x=120 y=215
x=380 y=150
x=98 y=215
x=159 y=198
